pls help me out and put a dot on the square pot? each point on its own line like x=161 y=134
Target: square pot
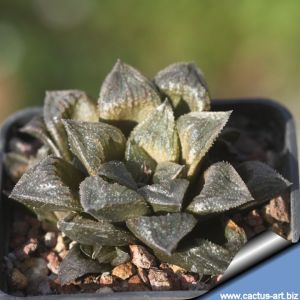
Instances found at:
x=269 y=115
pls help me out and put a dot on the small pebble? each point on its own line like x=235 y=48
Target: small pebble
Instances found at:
x=106 y=279
x=188 y=280
x=277 y=210
x=136 y=284
x=159 y=280
x=60 y=245
x=34 y=268
x=141 y=257
x=53 y=262
x=143 y=275
x=18 y=280
x=50 y=239
x=124 y=271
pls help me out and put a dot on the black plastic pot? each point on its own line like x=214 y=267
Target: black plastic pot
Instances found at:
x=269 y=115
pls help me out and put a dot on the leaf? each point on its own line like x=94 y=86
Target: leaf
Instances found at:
x=139 y=163
x=111 y=201
x=162 y=233
x=201 y=256
x=166 y=196
x=197 y=132
x=157 y=135
x=223 y=190
x=235 y=236
x=117 y=172
x=120 y=258
x=52 y=184
x=166 y=171
x=94 y=143
x=185 y=86
x=126 y=96
x=89 y=232
x=15 y=165
x=68 y=104
x=75 y=265
x=263 y=182
x=37 y=128
x=104 y=254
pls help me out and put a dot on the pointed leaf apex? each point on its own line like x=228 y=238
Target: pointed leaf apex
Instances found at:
x=162 y=233
x=223 y=190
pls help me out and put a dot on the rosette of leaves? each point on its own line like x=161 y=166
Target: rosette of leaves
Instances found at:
x=133 y=170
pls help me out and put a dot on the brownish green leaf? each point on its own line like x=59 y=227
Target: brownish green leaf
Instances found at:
x=120 y=258
x=139 y=163
x=126 y=95
x=95 y=143
x=111 y=201
x=166 y=196
x=162 y=233
x=184 y=84
x=37 y=128
x=69 y=104
x=197 y=133
x=104 y=254
x=52 y=184
x=117 y=172
x=15 y=165
x=166 y=171
x=90 y=232
x=263 y=182
x=223 y=190
x=201 y=256
x=157 y=135
x=75 y=265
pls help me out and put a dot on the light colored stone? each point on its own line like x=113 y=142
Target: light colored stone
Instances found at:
x=124 y=271
x=159 y=280
x=141 y=257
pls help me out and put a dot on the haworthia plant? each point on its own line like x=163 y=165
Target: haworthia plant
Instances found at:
x=134 y=170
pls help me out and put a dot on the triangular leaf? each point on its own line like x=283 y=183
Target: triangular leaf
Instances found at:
x=89 y=232
x=75 y=265
x=184 y=84
x=95 y=143
x=69 y=104
x=111 y=201
x=52 y=184
x=120 y=258
x=139 y=163
x=157 y=135
x=117 y=172
x=104 y=254
x=201 y=256
x=126 y=95
x=37 y=128
x=162 y=233
x=263 y=182
x=166 y=171
x=222 y=191
x=197 y=132
x=166 y=196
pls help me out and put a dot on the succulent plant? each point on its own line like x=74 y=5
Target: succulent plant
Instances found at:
x=134 y=170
